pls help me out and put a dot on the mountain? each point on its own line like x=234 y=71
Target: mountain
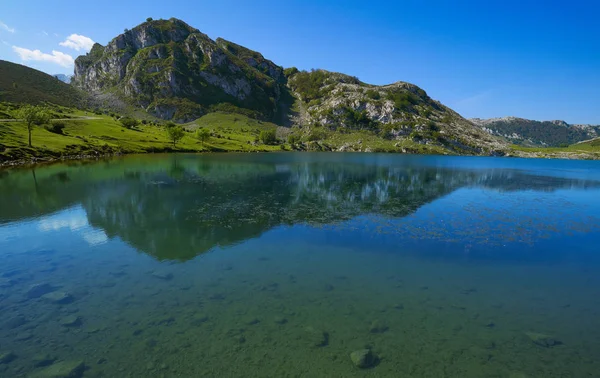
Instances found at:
x=537 y=133
x=22 y=84
x=173 y=71
x=395 y=111
x=64 y=78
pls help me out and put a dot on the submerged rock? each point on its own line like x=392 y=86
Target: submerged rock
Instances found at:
x=63 y=369
x=378 y=327
x=14 y=322
x=7 y=357
x=42 y=360
x=58 y=297
x=363 y=358
x=37 y=290
x=280 y=320
x=162 y=275
x=71 y=321
x=198 y=320
x=316 y=338
x=543 y=340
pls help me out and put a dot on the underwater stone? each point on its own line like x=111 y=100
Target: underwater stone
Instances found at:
x=198 y=320
x=252 y=321
x=316 y=338
x=37 y=290
x=377 y=327
x=42 y=360
x=23 y=336
x=363 y=358
x=162 y=275
x=7 y=357
x=280 y=320
x=58 y=297
x=71 y=321
x=14 y=322
x=63 y=369
x=543 y=340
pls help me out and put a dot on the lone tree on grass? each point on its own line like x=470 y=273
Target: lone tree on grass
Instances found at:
x=175 y=133
x=33 y=116
x=203 y=135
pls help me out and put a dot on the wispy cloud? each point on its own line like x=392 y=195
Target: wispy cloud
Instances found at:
x=56 y=57
x=5 y=43
x=56 y=35
x=78 y=42
x=45 y=32
x=6 y=27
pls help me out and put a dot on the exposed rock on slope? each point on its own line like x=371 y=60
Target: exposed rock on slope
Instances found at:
x=395 y=111
x=174 y=71
x=537 y=133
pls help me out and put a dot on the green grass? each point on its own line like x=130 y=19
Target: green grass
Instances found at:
x=105 y=135
x=590 y=148
x=21 y=84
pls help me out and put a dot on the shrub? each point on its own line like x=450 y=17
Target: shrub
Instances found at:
x=293 y=139
x=373 y=94
x=268 y=137
x=128 y=122
x=55 y=127
x=149 y=19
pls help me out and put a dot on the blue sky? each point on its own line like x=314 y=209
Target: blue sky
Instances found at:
x=525 y=58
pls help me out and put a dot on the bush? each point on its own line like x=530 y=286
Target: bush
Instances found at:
x=128 y=122
x=55 y=127
x=373 y=94
x=149 y=19
x=268 y=137
x=293 y=139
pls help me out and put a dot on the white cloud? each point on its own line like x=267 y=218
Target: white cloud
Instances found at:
x=6 y=27
x=78 y=42
x=56 y=35
x=57 y=57
x=6 y=43
x=45 y=32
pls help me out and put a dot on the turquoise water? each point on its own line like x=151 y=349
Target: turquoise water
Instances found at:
x=282 y=265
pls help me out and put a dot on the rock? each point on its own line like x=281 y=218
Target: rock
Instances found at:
x=252 y=321
x=71 y=321
x=162 y=275
x=58 y=297
x=316 y=338
x=363 y=358
x=62 y=369
x=399 y=306
x=23 y=336
x=198 y=320
x=7 y=357
x=377 y=327
x=42 y=360
x=6 y=283
x=543 y=340
x=280 y=320
x=37 y=290
x=14 y=322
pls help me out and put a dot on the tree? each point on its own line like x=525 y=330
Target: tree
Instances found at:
x=175 y=134
x=149 y=19
x=203 y=135
x=268 y=137
x=128 y=122
x=33 y=115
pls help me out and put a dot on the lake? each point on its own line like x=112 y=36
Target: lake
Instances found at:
x=301 y=265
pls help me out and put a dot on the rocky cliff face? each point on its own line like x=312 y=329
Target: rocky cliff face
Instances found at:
x=537 y=133
x=174 y=71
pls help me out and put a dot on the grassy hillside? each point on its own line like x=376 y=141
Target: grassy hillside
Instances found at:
x=102 y=134
x=21 y=84
x=582 y=150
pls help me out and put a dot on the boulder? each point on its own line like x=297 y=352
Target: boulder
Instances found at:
x=363 y=358
x=62 y=369
x=543 y=340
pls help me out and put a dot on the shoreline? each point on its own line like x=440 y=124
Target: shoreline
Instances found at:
x=20 y=163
